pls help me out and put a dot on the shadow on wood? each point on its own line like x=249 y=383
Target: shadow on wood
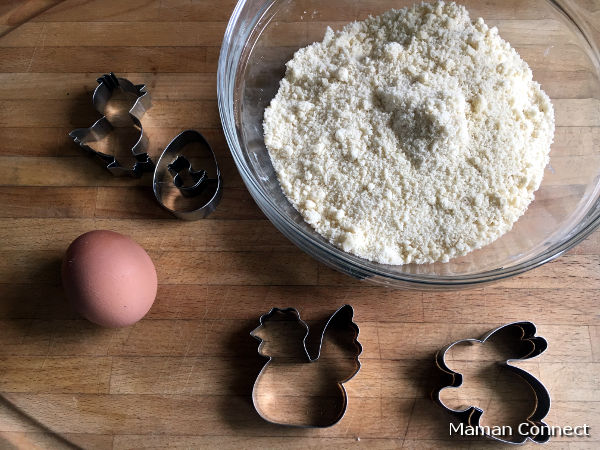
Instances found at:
x=23 y=301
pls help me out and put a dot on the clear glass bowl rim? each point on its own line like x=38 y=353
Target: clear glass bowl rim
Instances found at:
x=234 y=41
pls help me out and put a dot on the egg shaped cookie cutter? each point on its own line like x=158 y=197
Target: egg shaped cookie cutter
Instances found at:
x=175 y=163
x=340 y=322
x=85 y=137
x=180 y=166
x=530 y=346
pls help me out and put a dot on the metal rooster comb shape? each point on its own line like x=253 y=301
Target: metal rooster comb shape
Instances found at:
x=298 y=390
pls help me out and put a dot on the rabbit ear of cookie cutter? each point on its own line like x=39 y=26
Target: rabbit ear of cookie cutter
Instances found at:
x=343 y=316
x=102 y=127
x=171 y=154
x=471 y=416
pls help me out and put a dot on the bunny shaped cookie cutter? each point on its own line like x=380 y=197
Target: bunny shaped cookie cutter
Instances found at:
x=471 y=416
x=342 y=321
x=85 y=137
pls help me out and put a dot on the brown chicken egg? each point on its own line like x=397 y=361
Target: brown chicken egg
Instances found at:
x=109 y=278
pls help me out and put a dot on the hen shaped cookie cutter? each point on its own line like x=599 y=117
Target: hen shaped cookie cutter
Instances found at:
x=532 y=346
x=342 y=320
x=85 y=137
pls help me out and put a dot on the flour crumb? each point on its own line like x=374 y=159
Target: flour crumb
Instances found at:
x=412 y=137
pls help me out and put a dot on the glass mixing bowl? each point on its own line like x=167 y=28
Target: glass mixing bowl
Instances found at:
x=556 y=40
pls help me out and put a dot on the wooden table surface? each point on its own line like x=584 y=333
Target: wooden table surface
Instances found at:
x=182 y=377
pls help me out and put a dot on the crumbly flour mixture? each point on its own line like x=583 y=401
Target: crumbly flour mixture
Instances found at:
x=415 y=136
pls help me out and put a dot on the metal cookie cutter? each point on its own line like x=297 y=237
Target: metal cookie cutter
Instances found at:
x=107 y=84
x=341 y=322
x=530 y=347
x=182 y=165
x=179 y=167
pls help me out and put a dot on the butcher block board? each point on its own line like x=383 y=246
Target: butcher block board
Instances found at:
x=182 y=377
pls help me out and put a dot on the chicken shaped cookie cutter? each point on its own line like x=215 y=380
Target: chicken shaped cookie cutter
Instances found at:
x=340 y=324
x=528 y=346
x=85 y=137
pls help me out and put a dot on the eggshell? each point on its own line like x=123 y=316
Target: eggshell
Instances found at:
x=109 y=278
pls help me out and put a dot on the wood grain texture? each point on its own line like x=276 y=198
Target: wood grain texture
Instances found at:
x=182 y=377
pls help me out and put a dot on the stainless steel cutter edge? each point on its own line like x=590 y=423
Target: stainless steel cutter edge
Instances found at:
x=168 y=155
x=102 y=127
x=471 y=416
x=345 y=308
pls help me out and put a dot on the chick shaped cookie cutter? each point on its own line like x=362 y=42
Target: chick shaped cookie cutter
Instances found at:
x=85 y=137
x=174 y=162
x=342 y=320
x=532 y=346
x=180 y=166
